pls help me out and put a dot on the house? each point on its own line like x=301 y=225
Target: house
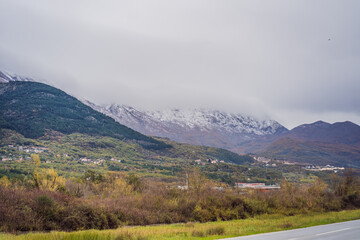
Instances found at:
x=85 y=159
x=198 y=161
x=115 y=160
x=262 y=159
x=249 y=185
x=219 y=188
x=259 y=186
x=212 y=161
x=184 y=187
x=32 y=149
x=39 y=149
x=98 y=161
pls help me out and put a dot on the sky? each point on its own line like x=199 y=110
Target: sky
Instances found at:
x=292 y=61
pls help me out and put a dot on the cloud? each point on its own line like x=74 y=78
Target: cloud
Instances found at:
x=258 y=57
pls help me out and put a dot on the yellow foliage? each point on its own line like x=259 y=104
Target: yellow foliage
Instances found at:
x=49 y=180
x=4 y=182
x=198 y=182
x=122 y=187
x=36 y=160
x=46 y=179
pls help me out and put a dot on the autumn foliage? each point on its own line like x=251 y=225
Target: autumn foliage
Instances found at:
x=48 y=202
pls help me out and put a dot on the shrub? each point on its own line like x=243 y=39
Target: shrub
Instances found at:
x=286 y=225
x=190 y=224
x=197 y=233
x=98 y=208
x=216 y=231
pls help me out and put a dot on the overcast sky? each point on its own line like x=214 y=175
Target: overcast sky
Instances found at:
x=293 y=61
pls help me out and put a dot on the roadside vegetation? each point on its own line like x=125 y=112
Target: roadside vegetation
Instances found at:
x=47 y=202
x=191 y=230
x=55 y=190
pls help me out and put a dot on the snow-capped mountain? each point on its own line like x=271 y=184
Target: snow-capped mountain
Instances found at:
x=7 y=77
x=317 y=143
x=200 y=119
x=195 y=126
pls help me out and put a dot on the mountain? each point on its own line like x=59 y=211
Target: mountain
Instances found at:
x=319 y=143
x=340 y=132
x=35 y=114
x=196 y=126
x=33 y=109
x=8 y=77
x=72 y=138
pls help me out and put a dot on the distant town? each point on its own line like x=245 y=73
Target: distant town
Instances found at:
x=268 y=162
x=309 y=167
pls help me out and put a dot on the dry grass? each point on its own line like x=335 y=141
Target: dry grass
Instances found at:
x=213 y=230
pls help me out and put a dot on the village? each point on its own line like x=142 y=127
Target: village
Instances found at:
x=309 y=167
x=266 y=162
x=208 y=161
x=97 y=161
x=324 y=168
x=25 y=151
x=28 y=149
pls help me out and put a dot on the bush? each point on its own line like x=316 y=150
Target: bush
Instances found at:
x=104 y=206
x=216 y=231
x=197 y=233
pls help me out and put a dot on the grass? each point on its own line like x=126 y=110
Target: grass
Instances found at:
x=211 y=230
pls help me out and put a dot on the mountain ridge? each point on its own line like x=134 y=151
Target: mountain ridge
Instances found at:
x=37 y=113
x=315 y=143
x=345 y=132
x=336 y=143
x=6 y=76
x=319 y=142
x=31 y=108
x=194 y=126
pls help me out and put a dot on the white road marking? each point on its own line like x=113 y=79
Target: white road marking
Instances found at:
x=333 y=231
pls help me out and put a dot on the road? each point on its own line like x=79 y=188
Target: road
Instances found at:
x=343 y=231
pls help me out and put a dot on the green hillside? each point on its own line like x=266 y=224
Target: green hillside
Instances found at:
x=73 y=154
x=33 y=108
x=35 y=116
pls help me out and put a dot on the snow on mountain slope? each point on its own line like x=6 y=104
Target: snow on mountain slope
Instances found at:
x=195 y=126
x=6 y=77
x=206 y=120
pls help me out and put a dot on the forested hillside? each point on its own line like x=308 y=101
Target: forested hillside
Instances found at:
x=33 y=108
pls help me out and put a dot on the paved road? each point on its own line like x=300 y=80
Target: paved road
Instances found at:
x=337 y=231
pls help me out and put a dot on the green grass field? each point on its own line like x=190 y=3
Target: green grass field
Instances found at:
x=212 y=230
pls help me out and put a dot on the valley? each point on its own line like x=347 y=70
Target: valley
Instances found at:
x=66 y=165
x=140 y=120
x=317 y=143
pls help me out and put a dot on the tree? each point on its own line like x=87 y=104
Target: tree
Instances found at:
x=94 y=177
x=4 y=182
x=45 y=178
x=135 y=182
x=36 y=176
x=198 y=183
x=50 y=180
